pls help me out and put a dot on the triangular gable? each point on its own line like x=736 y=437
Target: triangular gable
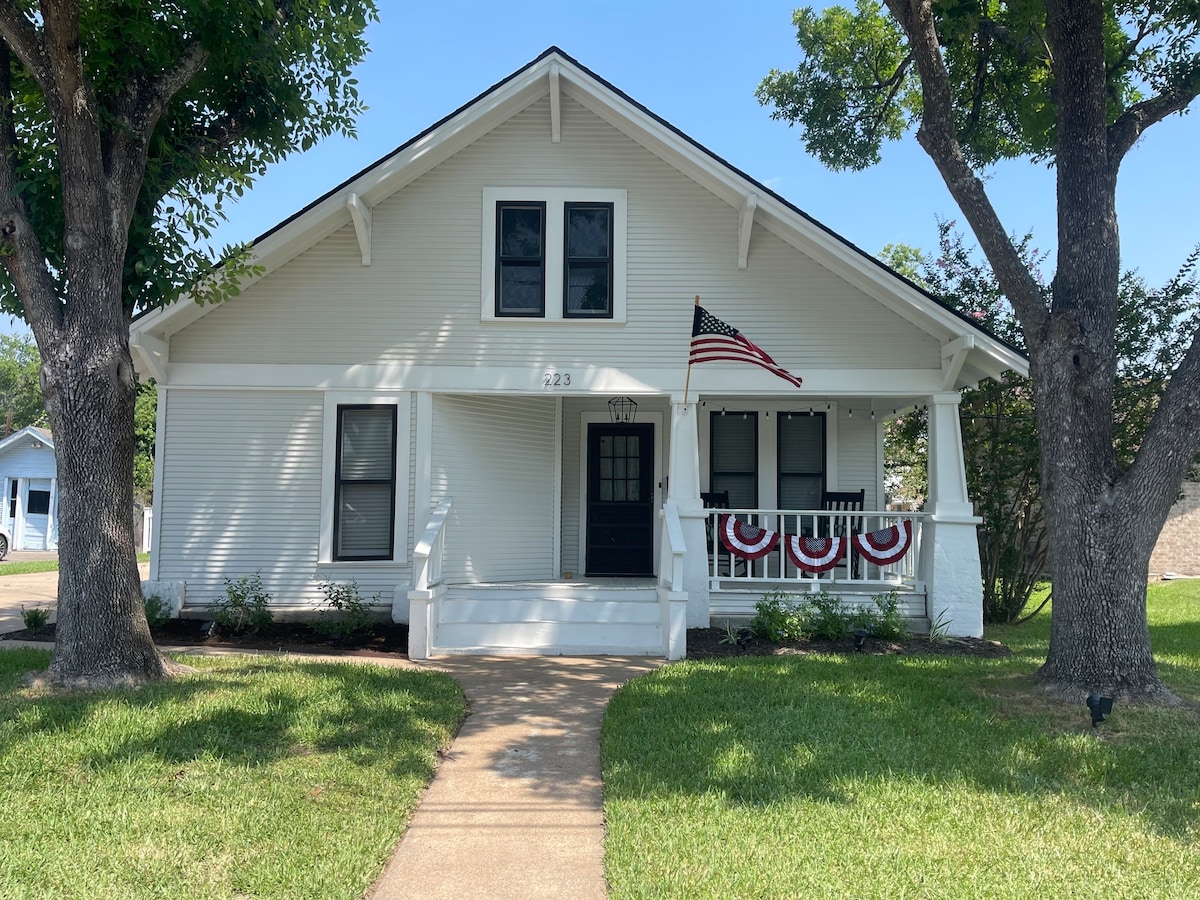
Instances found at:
x=969 y=352
x=29 y=431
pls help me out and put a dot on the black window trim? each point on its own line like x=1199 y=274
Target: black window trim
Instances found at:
x=748 y=413
x=779 y=473
x=342 y=408
x=590 y=261
x=501 y=205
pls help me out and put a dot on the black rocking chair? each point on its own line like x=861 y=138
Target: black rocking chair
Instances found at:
x=844 y=502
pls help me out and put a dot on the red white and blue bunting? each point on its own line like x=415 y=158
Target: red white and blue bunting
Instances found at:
x=746 y=540
x=814 y=554
x=885 y=546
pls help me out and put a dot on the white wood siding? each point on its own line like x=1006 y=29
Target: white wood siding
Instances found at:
x=241 y=493
x=858 y=464
x=496 y=457
x=419 y=300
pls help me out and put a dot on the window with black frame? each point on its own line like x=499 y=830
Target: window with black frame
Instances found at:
x=801 y=466
x=364 y=523
x=588 y=260
x=520 y=259
x=733 y=457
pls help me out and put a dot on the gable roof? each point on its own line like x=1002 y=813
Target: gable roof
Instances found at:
x=29 y=431
x=972 y=353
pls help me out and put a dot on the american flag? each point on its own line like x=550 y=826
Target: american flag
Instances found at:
x=714 y=340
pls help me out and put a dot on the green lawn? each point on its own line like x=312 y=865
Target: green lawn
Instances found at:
x=43 y=565
x=255 y=777
x=865 y=776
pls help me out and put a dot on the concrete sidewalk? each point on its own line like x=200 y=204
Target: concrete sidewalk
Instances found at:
x=516 y=808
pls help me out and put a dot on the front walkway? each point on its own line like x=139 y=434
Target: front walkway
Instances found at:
x=516 y=808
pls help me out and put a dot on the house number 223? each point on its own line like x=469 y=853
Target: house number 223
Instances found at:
x=556 y=379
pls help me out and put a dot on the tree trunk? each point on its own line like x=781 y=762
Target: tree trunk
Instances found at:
x=102 y=635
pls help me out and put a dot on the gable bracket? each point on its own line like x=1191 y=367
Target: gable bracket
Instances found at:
x=745 y=226
x=360 y=214
x=154 y=355
x=555 y=106
x=954 y=355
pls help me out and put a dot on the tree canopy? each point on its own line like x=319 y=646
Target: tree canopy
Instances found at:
x=1073 y=85
x=124 y=129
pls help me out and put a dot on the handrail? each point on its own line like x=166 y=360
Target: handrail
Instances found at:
x=427 y=554
x=675 y=542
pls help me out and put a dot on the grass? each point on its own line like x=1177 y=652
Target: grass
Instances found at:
x=43 y=565
x=931 y=777
x=252 y=777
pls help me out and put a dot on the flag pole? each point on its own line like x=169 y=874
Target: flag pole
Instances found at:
x=688 y=379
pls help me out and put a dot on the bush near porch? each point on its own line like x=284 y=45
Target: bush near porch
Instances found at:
x=880 y=776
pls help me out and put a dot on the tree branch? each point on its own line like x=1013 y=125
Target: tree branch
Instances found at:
x=21 y=36
x=20 y=248
x=1173 y=437
x=1124 y=133
x=937 y=136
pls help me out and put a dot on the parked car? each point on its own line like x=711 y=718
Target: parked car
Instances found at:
x=5 y=541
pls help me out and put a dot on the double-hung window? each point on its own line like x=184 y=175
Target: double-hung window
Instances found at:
x=520 y=259
x=554 y=254
x=733 y=457
x=588 y=261
x=364 y=514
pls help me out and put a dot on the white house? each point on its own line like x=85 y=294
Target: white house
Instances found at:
x=28 y=477
x=419 y=391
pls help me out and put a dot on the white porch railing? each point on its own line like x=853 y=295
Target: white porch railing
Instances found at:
x=672 y=600
x=427 y=583
x=775 y=567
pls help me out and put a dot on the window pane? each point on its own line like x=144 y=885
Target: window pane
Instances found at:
x=520 y=231
x=520 y=288
x=800 y=491
x=365 y=520
x=588 y=289
x=587 y=233
x=39 y=503
x=801 y=443
x=367 y=444
x=741 y=490
x=734 y=444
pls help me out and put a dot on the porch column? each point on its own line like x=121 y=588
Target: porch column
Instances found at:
x=950 y=555
x=683 y=486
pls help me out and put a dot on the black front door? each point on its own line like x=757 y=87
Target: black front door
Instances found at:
x=620 y=500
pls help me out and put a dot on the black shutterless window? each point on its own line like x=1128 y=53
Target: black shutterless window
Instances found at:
x=520 y=259
x=588 y=261
x=364 y=513
x=733 y=457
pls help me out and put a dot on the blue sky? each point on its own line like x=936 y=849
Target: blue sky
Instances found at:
x=696 y=64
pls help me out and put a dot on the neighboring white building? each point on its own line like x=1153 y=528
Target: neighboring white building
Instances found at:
x=28 y=477
x=417 y=390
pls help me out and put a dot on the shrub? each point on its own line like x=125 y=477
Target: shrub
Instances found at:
x=35 y=619
x=245 y=607
x=888 y=624
x=158 y=611
x=347 y=613
x=780 y=618
x=831 y=619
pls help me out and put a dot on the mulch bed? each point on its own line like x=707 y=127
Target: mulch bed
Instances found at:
x=387 y=639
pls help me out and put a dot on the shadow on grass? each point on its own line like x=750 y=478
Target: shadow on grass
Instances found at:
x=757 y=731
x=249 y=713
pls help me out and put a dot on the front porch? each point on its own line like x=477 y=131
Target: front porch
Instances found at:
x=640 y=616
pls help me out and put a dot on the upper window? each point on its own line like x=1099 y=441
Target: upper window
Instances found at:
x=588 y=260
x=554 y=254
x=520 y=259
x=364 y=512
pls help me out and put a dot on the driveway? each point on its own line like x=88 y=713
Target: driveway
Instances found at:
x=36 y=589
